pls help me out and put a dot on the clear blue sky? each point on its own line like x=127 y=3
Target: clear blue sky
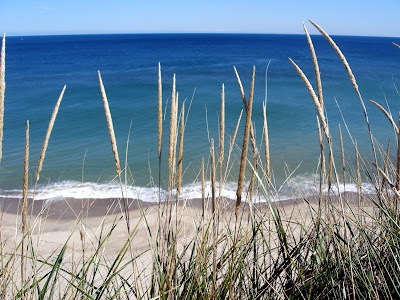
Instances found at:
x=340 y=17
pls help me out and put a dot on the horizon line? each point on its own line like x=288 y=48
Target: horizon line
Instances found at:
x=183 y=33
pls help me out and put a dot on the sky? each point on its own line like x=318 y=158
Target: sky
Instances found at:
x=339 y=17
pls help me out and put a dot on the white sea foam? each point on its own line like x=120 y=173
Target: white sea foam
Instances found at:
x=298 y=186
x=307 y=184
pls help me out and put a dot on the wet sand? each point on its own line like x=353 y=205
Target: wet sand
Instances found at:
x=72 y=208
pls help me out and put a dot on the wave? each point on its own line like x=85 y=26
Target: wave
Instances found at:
x=298 y=186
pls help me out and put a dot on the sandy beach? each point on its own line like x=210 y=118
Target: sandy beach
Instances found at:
x=59 y=220
x=99 y=234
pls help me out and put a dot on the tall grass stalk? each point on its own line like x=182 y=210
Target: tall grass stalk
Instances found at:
x=214 y=211
x=203 y=191
x=244 y=100
x=316 y=66
x=255 y=154
x=243 y=158
x=317 y=74
x=221 y=138
x=25 y=186
x=231 y=145
x=398 y=159
x=175 y=142
x=180 y=151
x=48 y=133
x=114 y=148
x=359 y=189
x=110 y=125
x=343 y=157
x=385 y=166
x=172 y=138
x=2 y=89
x=159 y=127
x=314 y=98
x=266 y=144
x=322 y=157
x=241 y=89
x=330 y=170
x=213 y=179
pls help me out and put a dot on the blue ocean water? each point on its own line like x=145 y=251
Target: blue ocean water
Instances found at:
x=79 y=160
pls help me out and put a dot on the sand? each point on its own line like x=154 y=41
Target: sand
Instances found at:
x=65 y=221
x=53 y=223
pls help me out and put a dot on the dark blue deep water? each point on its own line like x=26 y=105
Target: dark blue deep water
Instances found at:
x=79 y=159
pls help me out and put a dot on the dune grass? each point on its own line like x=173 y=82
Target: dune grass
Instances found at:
x=337 y=245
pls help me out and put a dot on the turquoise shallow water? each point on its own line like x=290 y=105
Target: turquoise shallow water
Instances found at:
x=79 y=161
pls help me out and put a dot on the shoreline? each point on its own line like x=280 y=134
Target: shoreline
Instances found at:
x=72 y=208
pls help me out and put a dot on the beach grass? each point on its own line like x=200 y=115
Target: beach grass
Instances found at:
x=335 y=244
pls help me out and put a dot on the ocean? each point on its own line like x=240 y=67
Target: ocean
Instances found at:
x=79 y=162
